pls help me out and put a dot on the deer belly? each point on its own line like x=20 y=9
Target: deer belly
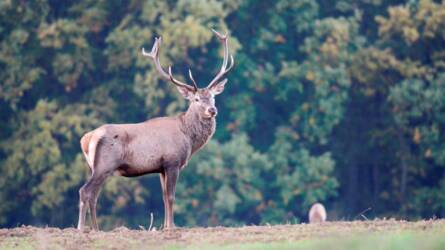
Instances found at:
x=140 y=165
x=128 y=171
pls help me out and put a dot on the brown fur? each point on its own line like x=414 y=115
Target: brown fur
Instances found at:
x=162 y=145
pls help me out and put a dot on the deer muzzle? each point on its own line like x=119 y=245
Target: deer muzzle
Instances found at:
x=212 y=112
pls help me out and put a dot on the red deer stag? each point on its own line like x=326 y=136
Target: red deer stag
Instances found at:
x=161 y=145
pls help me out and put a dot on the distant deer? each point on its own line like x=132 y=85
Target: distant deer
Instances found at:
x=161 y=145
x=317 y=213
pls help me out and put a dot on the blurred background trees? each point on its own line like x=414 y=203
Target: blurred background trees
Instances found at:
x=340 y=102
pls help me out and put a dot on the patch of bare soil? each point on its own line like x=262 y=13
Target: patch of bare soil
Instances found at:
x=124 y=238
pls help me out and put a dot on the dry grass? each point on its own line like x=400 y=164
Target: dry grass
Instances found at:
x=351 y=235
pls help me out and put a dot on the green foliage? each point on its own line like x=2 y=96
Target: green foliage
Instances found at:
x=339 y=102
x=400 y=77
x=418 y=110
x=48 y=164
x=223 y=183
x=308 y=178
x=20 y=70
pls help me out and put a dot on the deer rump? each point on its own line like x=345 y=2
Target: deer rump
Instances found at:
x=116 y=146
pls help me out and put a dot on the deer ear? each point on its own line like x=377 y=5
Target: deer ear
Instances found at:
x=219 y=87
x=185 y=92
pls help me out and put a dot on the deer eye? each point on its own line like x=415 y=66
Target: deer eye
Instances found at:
x=196 y=99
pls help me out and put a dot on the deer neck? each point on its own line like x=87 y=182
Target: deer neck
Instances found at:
x=198 y=129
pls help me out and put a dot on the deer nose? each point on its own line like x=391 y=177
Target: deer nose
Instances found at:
x=212 y=111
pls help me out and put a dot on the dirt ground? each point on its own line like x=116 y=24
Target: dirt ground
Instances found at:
x=29 y=237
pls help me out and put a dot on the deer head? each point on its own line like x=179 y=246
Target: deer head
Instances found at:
x=202 y=100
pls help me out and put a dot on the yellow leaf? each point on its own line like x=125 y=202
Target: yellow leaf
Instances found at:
x=416 y=136
x=280 y=39
x=310 y=76
x=312 y=121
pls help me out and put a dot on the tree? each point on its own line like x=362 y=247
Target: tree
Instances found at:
x=331 y=101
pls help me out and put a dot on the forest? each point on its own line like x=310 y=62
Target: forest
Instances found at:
x=332 y=101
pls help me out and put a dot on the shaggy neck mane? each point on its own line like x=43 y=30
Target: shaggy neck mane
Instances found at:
x=198 y=129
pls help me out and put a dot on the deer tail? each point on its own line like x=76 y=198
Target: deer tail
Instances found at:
x=89 y=143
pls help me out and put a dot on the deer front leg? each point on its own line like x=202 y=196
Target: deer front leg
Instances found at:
x=171 y=178
x=164 y=196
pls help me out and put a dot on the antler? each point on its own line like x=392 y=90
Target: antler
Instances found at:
x=224 y=69
x=193 y=80
x=154 y=54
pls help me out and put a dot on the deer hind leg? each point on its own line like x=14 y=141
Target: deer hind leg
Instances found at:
x=170 y=184
x=88 y=198
x=105 y=165
x=92 y=202
x=85 y=195
x=101 y=157
x=83 y=206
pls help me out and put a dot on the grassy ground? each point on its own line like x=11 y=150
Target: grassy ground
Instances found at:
x=378 y=234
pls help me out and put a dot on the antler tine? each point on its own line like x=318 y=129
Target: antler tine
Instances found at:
x=153 y=49
x=177 y=82
x=232 y=62
x=224 y=40
x=224 y=69
x=193 y=80
x=154 y=54
x=222 y=37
